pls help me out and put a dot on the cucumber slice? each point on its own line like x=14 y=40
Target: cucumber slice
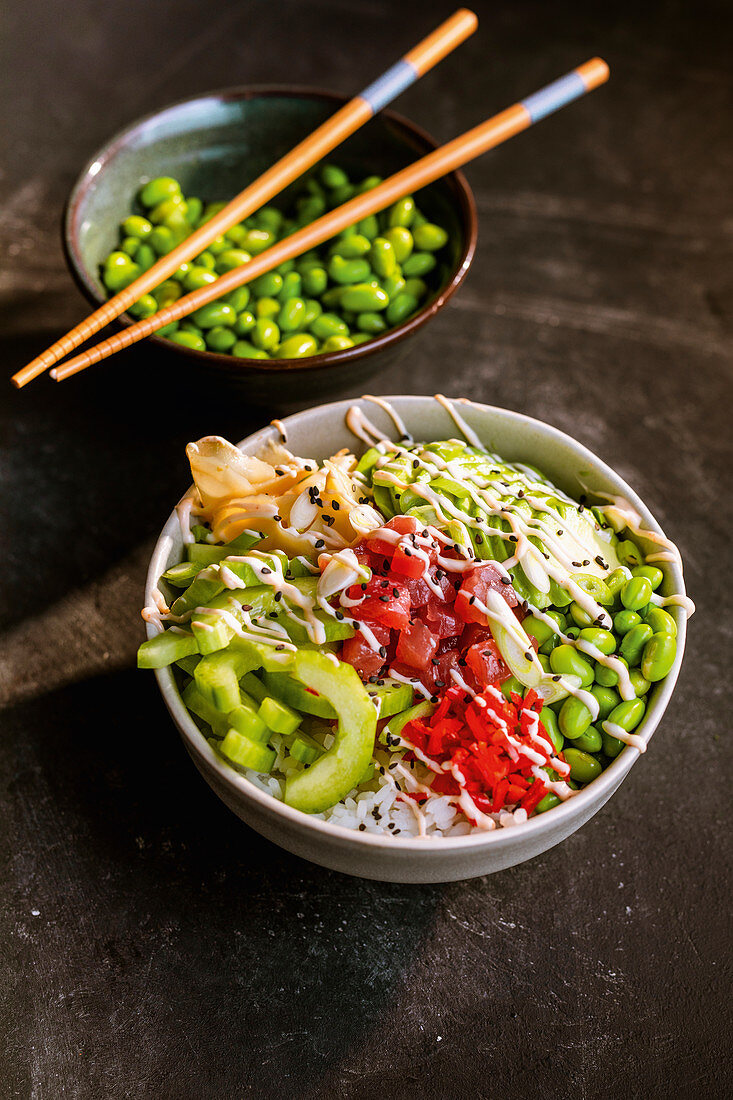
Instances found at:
x=336 y=630
x=334 y=774
x=199 y=706
x=398 y=722
x=528 y=673
x=278 y=716
x=204 y=588
x=165 y=648
x=291 y=691
x=241 y=751
x=393 y=696
x=305 y=749
x=207 y=554
x=188 y=664
x=246 y=721
x=181 y=575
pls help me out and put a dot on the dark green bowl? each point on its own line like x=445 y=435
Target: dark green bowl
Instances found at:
x=215 y=145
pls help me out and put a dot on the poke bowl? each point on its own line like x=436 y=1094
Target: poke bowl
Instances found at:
x=162 y=176
x=417 y=817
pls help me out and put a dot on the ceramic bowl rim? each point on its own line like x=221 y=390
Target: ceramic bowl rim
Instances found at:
x=465 y=211
x=590 y=796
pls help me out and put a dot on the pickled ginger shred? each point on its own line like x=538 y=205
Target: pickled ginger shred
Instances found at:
x=294 y=502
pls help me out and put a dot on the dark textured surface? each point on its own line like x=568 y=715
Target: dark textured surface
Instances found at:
x=151 y=945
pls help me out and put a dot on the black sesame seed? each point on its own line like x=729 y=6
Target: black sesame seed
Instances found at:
x=396 y=593
x=380 y=683
x=440 y=683
x=513 y=538
x=382 y=651
x=264 y=570
x=340 y=616
x=415 y=464
x=384 y=599
x=462 y=662
x=397 y=830
x=601 y=562
x=362 y=827
x=319 y=544
x=335 y=505
x=278 y=597
x=506 y=580
x=559 y=532
x=556 y=678
x=372 y=679
x=479 y=539
x=279 y=648
x=433 y=698
x=384 y=584
x=435 y=660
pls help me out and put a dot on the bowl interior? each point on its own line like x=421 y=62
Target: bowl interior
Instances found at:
x=217 y=144
x=317 y=433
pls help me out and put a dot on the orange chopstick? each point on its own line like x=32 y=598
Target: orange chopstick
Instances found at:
x=349 y=118
x=422 y=172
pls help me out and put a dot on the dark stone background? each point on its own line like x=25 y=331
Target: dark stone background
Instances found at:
x=151 y=945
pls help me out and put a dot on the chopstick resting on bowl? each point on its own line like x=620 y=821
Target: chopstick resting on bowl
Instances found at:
x=349 y=118
x=439 y=163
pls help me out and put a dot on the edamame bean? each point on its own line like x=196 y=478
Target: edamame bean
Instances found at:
x=369 y=227
x=363 y=298
x=623 y=621
x=590 y=741
x=337 y=343
x=144 y=307
x=574 y=718
x=402 y=213
x=628 y=553
x=238 y=298
x=145 y=257
x=265 y=335
x=237 y=235
x=373 y=323
x=633 y=643
x=220 y=339
x=419 y=263
x=292 y=287
x=638 y=682
x=195 y=208
x=636 y=593
x=158 y=190
x=268 y=285
x=549 y=721
x=162 y=240
x=297 y=347
x=608 y=677
x=369 y=184
x=197 y=277
x=548 y=802
x=315 y=281
x=382 y=256
x=244 y=323
x=401 y=240
x=400 y=308
x=328 y=324
x=660 y=621
x=512 y=684
x=627 y=715
x=292 y=315
x=579 y=615
x=170 y=212
x=213 y=314
x=348 y=272
x=601 y=639
x=429 y=237
x=393 y=284
x=352 y=246
x=136 y=226
x=418 y=288
x=615 y=582
x=188 y=339
x=120 y=273
x=653 y=575
x=257 y=240
x=659 y=654
x=167 y=293
x=566 y=661
x=206 y=259
x=333 y=176
x=244 y=350
x=267 y=307
x=606 y=698
x=537 y=628
x=612 y=746
x=583 y=767
x=313 y=309
x=230 y=259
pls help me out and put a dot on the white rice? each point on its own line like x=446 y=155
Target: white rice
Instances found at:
x=382 y=810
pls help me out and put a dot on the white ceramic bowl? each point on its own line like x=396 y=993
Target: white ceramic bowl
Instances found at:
x=317 y=433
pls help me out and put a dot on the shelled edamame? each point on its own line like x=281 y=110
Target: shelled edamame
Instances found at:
x=370 y=278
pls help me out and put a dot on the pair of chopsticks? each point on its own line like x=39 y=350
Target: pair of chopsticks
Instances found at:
x=349 y=118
